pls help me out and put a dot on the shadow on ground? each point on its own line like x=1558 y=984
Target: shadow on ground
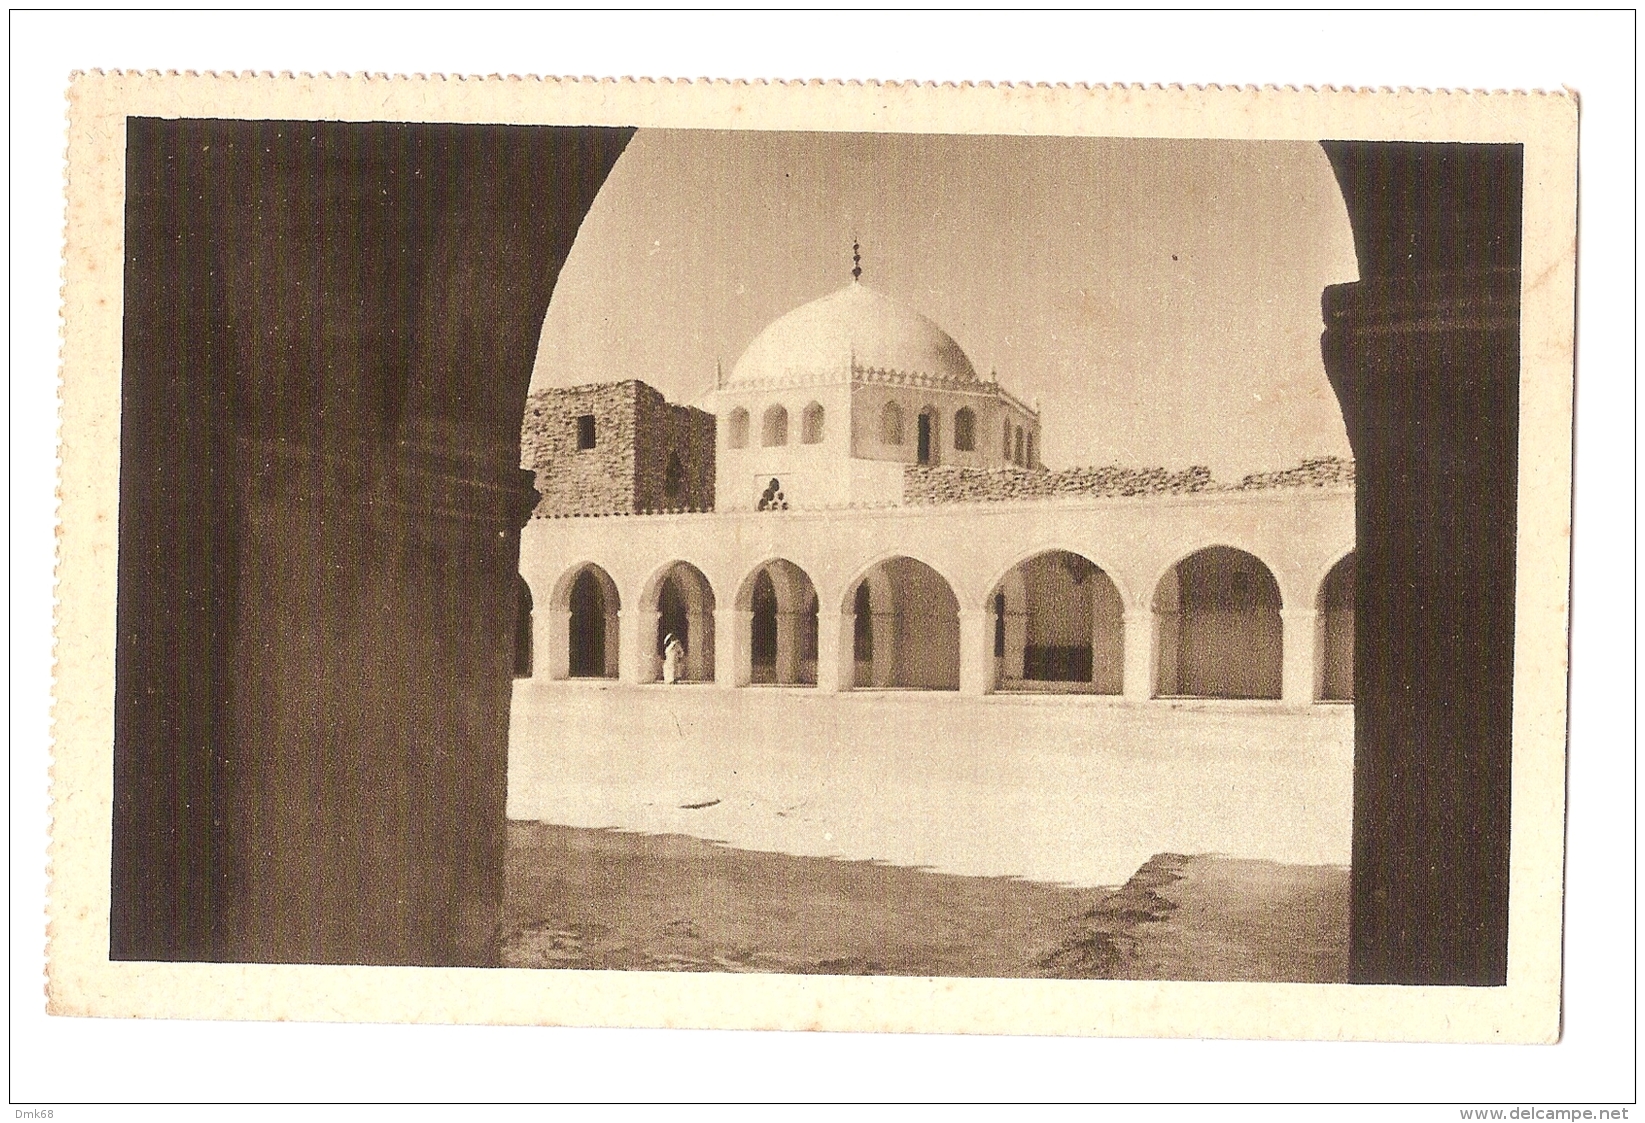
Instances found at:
x=607 y=900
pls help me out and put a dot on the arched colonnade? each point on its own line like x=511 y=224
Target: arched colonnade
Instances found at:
x=1215 y=620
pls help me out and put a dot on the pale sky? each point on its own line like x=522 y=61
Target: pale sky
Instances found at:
x=1161 y=298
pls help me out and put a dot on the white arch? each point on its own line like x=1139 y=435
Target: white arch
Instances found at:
x=1105 y=639
x=1057 y=547
x=1325 y=573
x=559 y=617
x=863 y=570
x=560 y=597
x=651 y=590
x=1285 y=600
x=783 y=573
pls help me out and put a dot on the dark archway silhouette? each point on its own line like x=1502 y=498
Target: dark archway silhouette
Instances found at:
x=763 y=637
x=782 y=643
x=522 y=628
x=862 y=625
x=588 y=627
x=684 y=603
x=673 y=615
x=1335 y=633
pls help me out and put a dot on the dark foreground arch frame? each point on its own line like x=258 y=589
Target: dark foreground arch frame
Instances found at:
x=1424 y=354
x=329 y=331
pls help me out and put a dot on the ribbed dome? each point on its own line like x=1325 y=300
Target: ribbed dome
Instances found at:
x=820 y=339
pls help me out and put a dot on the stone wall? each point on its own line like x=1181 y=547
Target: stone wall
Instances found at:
x=636 y=430
x=946 y=484
x=595 y=481
x=663 y=430
x=1319 y=471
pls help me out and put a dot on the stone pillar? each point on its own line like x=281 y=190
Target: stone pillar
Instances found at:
x=699 y=656
x=733 y=653
x=1139 y=654
x=553 y=641
x=845 y=653
x=1423 y=352
x=615 y=646
x=884 y=664
x=1016 y=643
x=788 y=647
x=1299 y=638
x=835 y=666
x=976 y=651
x=637 y=660
x=1167 y=670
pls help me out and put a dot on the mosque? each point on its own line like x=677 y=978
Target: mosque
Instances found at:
x=854 y=508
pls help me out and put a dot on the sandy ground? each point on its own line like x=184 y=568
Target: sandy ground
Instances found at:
x=603 y=899
x=595 y=899
x=1068 y=790
x=1212 y=918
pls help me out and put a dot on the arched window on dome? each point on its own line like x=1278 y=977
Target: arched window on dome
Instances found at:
x=1016 y=450
x=774 y=428
x=1029 y=455
x=891 y=424
x=965 y=430
x=736 y=429
x=1005 y=442
x=927 y=445
x=811 y=424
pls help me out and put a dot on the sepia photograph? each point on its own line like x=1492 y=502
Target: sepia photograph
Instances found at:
x=898 y=655
x=766 y=539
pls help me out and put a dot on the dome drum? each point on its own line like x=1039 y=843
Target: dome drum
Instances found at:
x=806 y=403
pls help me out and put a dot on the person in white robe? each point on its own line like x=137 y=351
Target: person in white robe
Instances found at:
x=673 y=658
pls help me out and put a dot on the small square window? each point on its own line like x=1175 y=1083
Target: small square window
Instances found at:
x=585 y=431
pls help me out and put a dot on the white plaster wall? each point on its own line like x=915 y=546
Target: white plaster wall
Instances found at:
x=875 y=483
x=810 y=473
x=868 y=399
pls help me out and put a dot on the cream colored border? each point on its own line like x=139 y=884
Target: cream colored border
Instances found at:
x=84 y=982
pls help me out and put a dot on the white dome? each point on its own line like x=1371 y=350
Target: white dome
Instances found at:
x=819 y=341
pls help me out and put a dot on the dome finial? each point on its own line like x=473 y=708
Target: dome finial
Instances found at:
x=856 y=261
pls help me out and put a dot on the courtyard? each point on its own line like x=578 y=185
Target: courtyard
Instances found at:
x=1068 y=790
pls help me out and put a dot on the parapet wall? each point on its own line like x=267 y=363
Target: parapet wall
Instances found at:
x=1319 y=471
x=950 y=484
